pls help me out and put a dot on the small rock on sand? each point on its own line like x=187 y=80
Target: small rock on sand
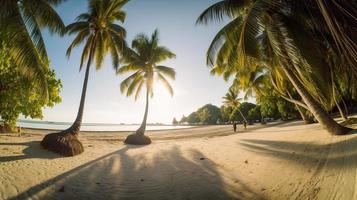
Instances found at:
x=246 y=161
x=202 y=158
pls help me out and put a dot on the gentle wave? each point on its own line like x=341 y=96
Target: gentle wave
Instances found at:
x=93 y=126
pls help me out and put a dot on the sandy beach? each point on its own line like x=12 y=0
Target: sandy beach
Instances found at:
x=281 y=161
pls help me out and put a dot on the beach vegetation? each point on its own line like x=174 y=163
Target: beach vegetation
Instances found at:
x=21 y=26
x=18 y=93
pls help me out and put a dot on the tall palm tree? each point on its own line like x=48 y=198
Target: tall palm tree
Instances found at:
x=143 y=60
x=232 y=100
x=277 y=24
x=21 y=23
x=101 y=35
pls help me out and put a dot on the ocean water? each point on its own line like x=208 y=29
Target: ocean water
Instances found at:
x=92 y=126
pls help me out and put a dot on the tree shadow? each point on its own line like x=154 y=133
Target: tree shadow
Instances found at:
x=167 y=174
x=294 y=123
x=32 y=149
x=308 y=153
x=260 y=126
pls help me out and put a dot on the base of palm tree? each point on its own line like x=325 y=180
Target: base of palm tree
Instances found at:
x=309 y=121
x=137 y=139
x=64 y=143
x=342 y=130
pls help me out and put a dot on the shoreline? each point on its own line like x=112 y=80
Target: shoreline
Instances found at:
x=26 y=130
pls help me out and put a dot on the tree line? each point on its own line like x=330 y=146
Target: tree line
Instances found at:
x=269 y=108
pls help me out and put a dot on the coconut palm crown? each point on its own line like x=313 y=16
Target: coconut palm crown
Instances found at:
x=232 y=100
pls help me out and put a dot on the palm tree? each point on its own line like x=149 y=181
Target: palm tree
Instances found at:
x=142 y=59
x=98 y=30
x=279 y=25
x=21 y=23
x=255 y=80
x=232 y=100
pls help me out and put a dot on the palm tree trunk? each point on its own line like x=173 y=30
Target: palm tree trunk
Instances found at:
x=74 y=129
x=321 y=116
x=335 y=98
x=66 y=142
x=344 y=117
x=345 y=106
x=315 y=108
x=304 y=117
x=142 y=129
x=139 y=137
x=242 y=115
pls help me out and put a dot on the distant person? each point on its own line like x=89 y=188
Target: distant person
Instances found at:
x=245 y=124
x=19 y=130
x=235 y=126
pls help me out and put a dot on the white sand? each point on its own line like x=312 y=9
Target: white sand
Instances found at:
x=286 y=161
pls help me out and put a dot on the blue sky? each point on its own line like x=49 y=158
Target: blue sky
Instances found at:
x=194 y=86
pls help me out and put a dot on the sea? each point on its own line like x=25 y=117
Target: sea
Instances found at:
x=93 y=126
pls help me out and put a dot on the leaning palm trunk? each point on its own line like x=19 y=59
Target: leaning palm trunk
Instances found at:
x=305 y=118
x=66 y=142
x=343 y=115
x=242 y=115
x=345 y=107
x=321 y=116
x=139 y=137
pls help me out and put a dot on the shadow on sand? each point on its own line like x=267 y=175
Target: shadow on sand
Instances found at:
x=308 y=153
x=121 y=175
x=32 y=149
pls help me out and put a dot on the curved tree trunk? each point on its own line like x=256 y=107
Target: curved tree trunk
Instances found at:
x=314 y=107
x=139 y=137
x=142 y=128
x=66 y=142
x=345 y=106
x=305 y=118
x=242 y=115
x=344 y=117
x=321 y=116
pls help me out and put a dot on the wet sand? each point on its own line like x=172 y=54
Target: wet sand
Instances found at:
x=281 y=161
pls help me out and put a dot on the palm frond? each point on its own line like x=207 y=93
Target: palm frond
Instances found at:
x=166 y=83
x=168 y=71
x=126 y=82
x=221 y=9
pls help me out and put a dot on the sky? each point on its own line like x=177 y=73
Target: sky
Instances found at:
x=193 y=87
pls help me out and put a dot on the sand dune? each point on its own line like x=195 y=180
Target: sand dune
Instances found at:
x=284 y=161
